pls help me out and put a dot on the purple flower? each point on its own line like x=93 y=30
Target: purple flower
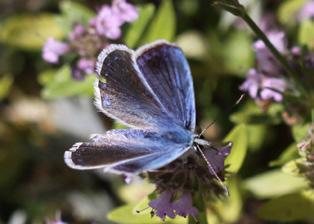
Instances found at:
x=260 y=86
x=184 y=206
x=163 y=206
x=83 y=66
x=86 y=65
x=217 y=158
x=77 y=32
x=125 y=11
x=307 y=11
x=266 y=62
x=108 y=23
x=53 y=49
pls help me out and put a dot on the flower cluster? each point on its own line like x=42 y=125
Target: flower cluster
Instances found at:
x=306 y=150
x=266 y=82
x=178 y=183
x=87 y=42
x=269 y=81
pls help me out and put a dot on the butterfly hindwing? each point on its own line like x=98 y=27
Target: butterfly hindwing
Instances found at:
x=127 y=151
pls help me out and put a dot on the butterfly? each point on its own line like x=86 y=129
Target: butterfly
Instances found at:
x=150 y=91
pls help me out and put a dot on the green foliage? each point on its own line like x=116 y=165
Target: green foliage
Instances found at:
x=297 y=206
x=239 y=137
x=306 y=34
x=250 y=113
x=29 y=32
x=60 y=83
x=128 y=214
x=136 y=29
x=237 y=53
x=273 y=183
x=288 y=11
x=227 y=210
x=163 y=25
x=288 y=154
x=6 y=82
x=73 y=12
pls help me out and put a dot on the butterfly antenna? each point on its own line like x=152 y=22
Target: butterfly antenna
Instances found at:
x=211 y=168
x=213 y=122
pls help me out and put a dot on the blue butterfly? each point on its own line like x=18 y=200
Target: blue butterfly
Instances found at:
x=150 y=91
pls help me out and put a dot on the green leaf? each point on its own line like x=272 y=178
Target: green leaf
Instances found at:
x=250 y=113
x=229 y=209
x=299 y=132
x=288 y=10
x=29 y=31
x=256 y=136
x=128 y=214
x=292 y=207
x=73 y=12
x=306 y=34
x=237 y=53
x=135 y=191
x=273 y=183
x=163 y=25
x=288 y=154
x=239 y=137
x=136 y=29
x=60 y=83
x=291 y=167
x=5 y=85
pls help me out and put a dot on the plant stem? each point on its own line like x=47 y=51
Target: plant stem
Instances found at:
x=269 y=45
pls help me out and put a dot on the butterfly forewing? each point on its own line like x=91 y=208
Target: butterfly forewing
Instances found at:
x=167 y=72
x=124 y=95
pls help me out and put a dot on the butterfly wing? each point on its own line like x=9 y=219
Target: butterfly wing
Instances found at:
x=123 y=94
x=127 y=151
x=167 y=72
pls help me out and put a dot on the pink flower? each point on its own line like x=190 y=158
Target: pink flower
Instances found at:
x=108 y=23
x=307 y=11
x=260 y=86
x=77 y=32
x=125 y=11
x=266 y=62
x=53 y=49
x=83 y=66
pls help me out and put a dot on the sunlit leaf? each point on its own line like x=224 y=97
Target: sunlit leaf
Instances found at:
x=229 y=209
x=237 y=53
x=252 y=114
x=306 y=34
x=6 y=82
x=135 y=191
x=288 y=154
x=136 y=29
x=62 y=84
x=256 y=136
x=197 y=50
x=163 y=25
x=292 y=207
x=239 y=137
x=29 y=31
x=273 y=183
x=128 y=214
x=288 y=10
x=292 y=167
x=300 y=131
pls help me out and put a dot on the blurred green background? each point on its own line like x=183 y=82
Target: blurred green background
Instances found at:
x=43 y=111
